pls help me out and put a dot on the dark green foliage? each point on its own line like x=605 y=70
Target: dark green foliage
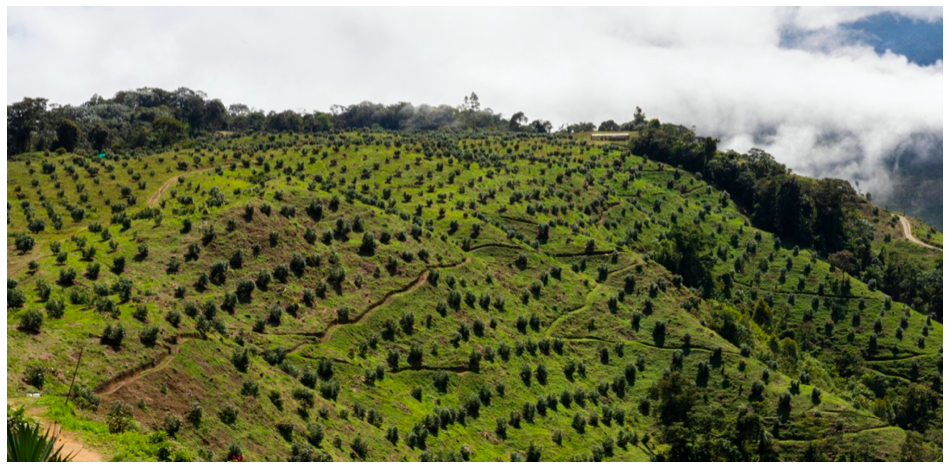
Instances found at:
x=250 y=388
x=36 y=376
x=113 y=335
x=15 y=298
x=149 y=335
x=31 y=321
x=687 y=252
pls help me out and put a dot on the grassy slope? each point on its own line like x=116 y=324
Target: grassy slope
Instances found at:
x=199 y=369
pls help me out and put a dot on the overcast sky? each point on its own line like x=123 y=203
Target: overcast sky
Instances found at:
x=829 y=105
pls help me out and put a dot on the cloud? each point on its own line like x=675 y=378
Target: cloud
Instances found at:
x=834 y=109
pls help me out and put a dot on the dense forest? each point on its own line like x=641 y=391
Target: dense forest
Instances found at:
x=814 y=213
x=152 y=118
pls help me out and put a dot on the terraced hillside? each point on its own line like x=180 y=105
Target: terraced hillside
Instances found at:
x=450 y=296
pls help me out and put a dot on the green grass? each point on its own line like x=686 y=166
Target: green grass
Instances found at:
x=591 y=203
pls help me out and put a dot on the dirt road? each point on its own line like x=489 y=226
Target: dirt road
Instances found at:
x=908 y=233
x=68 y=440
x=153 y=200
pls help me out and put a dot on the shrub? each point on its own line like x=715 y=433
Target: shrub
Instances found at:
x=67 y=276
x=309 y=378
x=140 y=313
x=55 y=308
x=275 y=314
x=149 y=335
x=173 y=317
x=329 y=389
x=245 y=289
x=557 y=436
x=368 y=245
x=120 y=417
x=228 y=415
x=171 y=424
x=24 y=243
x=194 y=414
x=106 y=305
x=309 y=296
x=15 y=298
x=314 y=434
x=36 y=376
x=757 y=391
x=113 y=335
x=118 y=265
x=360 y=447
x=297 y=264
x=392 y=434
x=218 y=272
x=304 y=396
x=659 y=333
x=174 y=264
x=579 y=422
x=31 y=321
x=250 y=388
x=263 y=280
x=241 y=359
x=235 y=452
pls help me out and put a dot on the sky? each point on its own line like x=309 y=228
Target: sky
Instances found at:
x=831 y=92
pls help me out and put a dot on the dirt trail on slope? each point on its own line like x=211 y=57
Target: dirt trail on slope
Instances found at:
x=422 y=279
x=66 y=439
x=115 y=386
x=908 y=233
x=115 y=383
x=325 y=335
x=71 y=445
x=494 y=244
x=17 y=262
x=153 y=200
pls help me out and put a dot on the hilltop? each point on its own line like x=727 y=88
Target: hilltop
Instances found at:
x=468 y=295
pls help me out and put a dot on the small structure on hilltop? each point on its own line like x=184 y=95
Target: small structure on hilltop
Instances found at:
x=610 y=136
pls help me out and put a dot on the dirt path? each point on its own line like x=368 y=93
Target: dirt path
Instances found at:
x=500 y=246
x=71 y=445
x=566 y=313
x=454 y=369
x=68 y=440
x=908 y=233
x=422 y=279
x=620 y=270
x=118 y=383
x=325 y=335
x=595 y=253
x=609 y=206
x=593 y=339
x=519 y=220
x=153 y=200
x=17 y=262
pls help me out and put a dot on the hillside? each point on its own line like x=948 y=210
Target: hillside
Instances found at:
x=458 y=296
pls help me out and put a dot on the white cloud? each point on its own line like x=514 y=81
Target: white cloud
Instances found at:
x=721 y=70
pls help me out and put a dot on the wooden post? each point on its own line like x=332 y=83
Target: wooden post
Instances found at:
x=76 y=371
